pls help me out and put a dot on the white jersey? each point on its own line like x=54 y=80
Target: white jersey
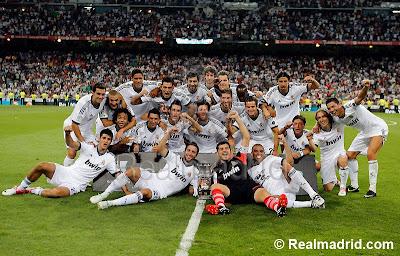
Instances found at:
x=175 y=174
x=359 y=117
x=331 y=143
x=176 y=142
x=199 y=95
x=128 y=133
x=269 y=175
x=286 y=106
x=176 y=95
x=212 y=133
x=146 y=138
x=127 y=92
x=260 y=130
x=218 y=98
x=84 y=114
x=217 y=113
x=90 y=163
x=296 y=144
x=106 y=113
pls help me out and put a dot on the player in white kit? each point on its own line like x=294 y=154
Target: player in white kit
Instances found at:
x=114 y=101
x=148 y=134
x=263 y=129
x=330 y=140
x=212 y=131
x=182 y=121
x=221 y=110
x=177 y=174
x=133 y=90
x=285 y=97
x=73 y=179
x=277 y=176
x=296 y=137
x=370 y=139
x=83 y=117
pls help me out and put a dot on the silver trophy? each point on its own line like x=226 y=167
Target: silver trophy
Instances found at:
x=204 y=185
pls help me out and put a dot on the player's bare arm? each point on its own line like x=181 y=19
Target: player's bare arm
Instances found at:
x=363 y=93
x=312 y=83
x=195 y=124
x=77 y=131
x=242 y=127
x=68 y=139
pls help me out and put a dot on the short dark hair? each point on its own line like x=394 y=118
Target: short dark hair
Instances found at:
x=332 y=100
x=282 y=74
x=227 y=91
x=176 y=102
x=119 y=111
x=203 y=102
x=167 y=79
x=107 y=132
x=192 y=74
x=98 y=86
x=137 y=71
x=154 y=111
x=302 y=118
x=194 y=144
x=223 y=143
x=250 y=99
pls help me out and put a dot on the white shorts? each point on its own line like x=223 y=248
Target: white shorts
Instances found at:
x=328 y=168
x=64 y=177
x=150 y=180
x=361 y=141
x=86 y=131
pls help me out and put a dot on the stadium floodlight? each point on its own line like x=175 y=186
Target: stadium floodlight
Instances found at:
x=193 y=41
x=59 y=40
x=371 y=46
x=113 y=41
x=8 y=39
x=161 y=42
x=266 y=44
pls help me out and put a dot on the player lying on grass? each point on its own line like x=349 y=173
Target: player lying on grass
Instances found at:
x=231 y=182
x=330 y=139
x=72 y=179
x=370 y=139
x=277 y=176
x=173 y=178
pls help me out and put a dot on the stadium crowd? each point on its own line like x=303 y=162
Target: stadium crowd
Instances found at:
x=69 y=74
x=214 y=21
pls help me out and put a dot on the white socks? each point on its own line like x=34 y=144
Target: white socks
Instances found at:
x=68 y=161
x=344 y=175
x=125 y=200
x=353 y=172
x=299 y=204
x=119 y=182
x=24 y=183
x=298 y=178
x=373 y=174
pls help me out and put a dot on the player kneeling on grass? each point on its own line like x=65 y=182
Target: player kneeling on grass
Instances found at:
x=231 y=181
x=278 y=176
x=72 y=179
x=173 y=178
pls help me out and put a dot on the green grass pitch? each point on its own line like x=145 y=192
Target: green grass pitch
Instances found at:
x=31 y=225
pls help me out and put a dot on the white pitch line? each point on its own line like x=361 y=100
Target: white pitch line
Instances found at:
x=391 y=122
x=191 y=229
